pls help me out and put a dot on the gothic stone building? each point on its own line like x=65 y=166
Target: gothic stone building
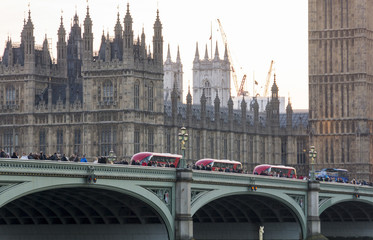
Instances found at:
x=88 y=103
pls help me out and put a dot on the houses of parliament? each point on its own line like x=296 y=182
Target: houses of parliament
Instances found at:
x=126 y=98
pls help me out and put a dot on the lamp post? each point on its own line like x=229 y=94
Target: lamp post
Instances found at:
x=111 y=157
x=183 y=138
x=312 y=155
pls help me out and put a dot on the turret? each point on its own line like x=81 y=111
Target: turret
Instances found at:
x=189 y=113
x=158 y=41
x=118 y=30
x=128 y=37
x=143 y=44
x=9 y=49
x=174 y=97
x=29 y=44
x=46 y=59
x=62 y=48
x=289 y=115
x=88 y=38
x=107 y=49
x=275 y=104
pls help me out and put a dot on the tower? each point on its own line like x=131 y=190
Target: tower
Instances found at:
x=340 y=73
x=211 y=75
x=173 y=76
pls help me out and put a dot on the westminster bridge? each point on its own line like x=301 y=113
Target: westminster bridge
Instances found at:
x=64 y=200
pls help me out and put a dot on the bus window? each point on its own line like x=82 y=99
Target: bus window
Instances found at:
x=159 y=159
x=274 y=170
x=219 y=165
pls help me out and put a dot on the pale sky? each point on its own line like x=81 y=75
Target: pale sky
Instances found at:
x=258 y=31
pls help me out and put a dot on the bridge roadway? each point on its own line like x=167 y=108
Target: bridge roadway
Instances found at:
x=48 y=199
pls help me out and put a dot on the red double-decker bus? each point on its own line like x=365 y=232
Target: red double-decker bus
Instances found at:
x=220 y=164
x=158 y=159
x=275 y=170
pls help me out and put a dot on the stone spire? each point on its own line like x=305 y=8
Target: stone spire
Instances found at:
x=226 y=53
x=128 y=37
x=168 y=59
x=29 y=43
x=118 y=30
x=46 y=60
x=158 y=41
x=88 y=38
x=196 y=56
x=216 y=52
x=206 y=53
x=143 y=44
x=289 y=114
x=189 y=107
x=178 y=60
x=62 y=48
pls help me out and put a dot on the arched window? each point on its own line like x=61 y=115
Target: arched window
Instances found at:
x=207 y=89
x=136 y=95
x=108 y=91
x=10 y=96
x=150 y=97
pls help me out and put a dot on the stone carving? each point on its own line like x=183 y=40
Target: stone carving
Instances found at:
x=164 y=194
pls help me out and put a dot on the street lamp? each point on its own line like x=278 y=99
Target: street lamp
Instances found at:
x=313 y=155
x=111 y=157
x=183 y=138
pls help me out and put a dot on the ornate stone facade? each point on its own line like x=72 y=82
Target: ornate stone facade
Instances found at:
x=340 y=84
x=89 y=104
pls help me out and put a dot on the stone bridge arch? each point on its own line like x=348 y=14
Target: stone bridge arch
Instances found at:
x=208 y=195
x=352 y=214
x=138 y=190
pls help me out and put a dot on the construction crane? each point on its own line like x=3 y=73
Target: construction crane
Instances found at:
x=268 y=80
x=239 y=91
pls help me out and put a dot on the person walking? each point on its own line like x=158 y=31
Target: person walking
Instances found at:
x=83 y=159
x=14 y=155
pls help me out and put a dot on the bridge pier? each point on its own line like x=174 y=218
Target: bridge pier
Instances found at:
x=313 y=220
x=183 y=217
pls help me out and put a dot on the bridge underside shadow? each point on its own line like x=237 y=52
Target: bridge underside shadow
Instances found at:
x=240 y=216
x=348 y=220
x=80 y=213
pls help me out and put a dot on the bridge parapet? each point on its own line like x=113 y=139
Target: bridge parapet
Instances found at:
x=69 y=169
x=238 y=179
